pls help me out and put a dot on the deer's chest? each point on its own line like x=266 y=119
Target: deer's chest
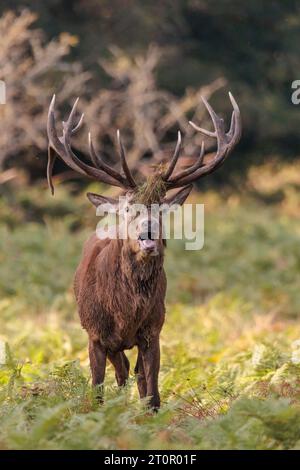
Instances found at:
x=126 y=323
x=117 y=319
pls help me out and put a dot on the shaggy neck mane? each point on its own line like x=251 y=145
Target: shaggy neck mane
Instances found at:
x=140 y=275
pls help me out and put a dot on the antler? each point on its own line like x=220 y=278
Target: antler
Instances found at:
x=226 y=141
x=62 y=146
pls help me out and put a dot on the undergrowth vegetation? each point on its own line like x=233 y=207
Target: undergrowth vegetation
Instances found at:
x=230 y=374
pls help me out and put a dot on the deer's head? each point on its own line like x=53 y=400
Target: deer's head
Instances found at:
x=147 y=229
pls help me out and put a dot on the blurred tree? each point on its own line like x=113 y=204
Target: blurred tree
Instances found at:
x=254 y=45
x=31 y=69
x=149 y=117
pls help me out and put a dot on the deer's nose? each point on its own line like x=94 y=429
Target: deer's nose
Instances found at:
x=149 y=228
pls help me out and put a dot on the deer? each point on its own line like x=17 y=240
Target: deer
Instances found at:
x=120 y=284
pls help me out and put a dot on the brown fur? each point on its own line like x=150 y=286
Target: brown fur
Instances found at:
x=120 y=295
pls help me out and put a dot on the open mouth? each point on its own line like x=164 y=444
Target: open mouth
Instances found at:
x=146 y=241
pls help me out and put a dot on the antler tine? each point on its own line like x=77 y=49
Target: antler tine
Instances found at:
x=217 y=121
x=174 y=160
x=225 y=142
x=191 y=169
x=203 y=131
x=88 y=170
x=69 y=126
x=125 y=167
x=236 y=119
x=50 y=165
x=76 y=128
x=62 y=147
x=98 y=162
x=54 y=140
x=72 y=114
x=230 y=133
x=56 y=147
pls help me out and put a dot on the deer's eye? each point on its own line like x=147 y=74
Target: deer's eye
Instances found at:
x=126 y=209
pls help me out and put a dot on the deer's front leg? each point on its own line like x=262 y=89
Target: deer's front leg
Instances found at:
x=97 y=363
x=151 y=360
x=121 y=365
x=140 y=375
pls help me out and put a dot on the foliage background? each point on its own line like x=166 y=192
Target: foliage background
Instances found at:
x=231 y=343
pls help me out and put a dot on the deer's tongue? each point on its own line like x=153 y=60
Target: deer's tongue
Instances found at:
x=147 y=244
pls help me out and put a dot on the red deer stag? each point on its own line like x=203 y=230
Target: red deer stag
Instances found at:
x=120 y=284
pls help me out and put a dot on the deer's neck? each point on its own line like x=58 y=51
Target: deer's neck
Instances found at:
x=141 y=274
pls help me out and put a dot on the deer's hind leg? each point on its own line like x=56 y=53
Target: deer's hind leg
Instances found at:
x=121 y=365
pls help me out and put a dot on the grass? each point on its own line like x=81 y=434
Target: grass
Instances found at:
x=230 y=374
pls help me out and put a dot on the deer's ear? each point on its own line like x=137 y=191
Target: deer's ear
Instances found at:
x=98 y=200
x=179 y=197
